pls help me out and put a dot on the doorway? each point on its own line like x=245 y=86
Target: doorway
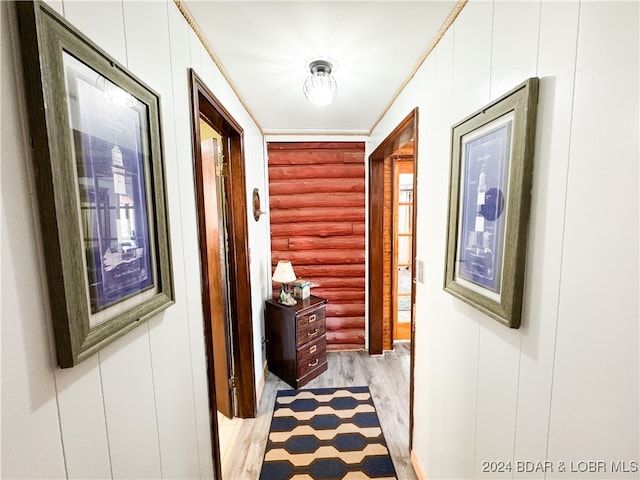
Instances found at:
x=224 y=260
x=215 y=256
x=401 y=144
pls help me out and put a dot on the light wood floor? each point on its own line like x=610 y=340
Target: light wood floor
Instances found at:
x=388 y=379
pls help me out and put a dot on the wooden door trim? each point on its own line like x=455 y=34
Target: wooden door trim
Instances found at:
x=203 y=100
x=403 y=133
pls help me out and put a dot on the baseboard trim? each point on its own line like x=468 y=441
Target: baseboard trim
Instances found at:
x=261 y=382
x=417 y=466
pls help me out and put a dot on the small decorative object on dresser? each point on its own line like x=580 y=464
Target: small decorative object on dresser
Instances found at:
x=296 y=340
x=302 y=289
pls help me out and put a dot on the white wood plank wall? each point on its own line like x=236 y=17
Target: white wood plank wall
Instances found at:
x=139 y=408
x=564 y=387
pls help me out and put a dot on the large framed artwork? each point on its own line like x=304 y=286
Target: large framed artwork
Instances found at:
x=96 y=143
x=489 y=203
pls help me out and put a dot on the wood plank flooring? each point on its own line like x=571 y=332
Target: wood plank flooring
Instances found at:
x=388 y=379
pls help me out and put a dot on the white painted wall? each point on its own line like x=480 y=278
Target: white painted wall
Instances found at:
x=138 y=408
x=564 y=387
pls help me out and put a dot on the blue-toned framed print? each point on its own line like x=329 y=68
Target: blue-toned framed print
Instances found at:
x=489 y=198
x=485 y=174
x=95 y=133
x=109 y=147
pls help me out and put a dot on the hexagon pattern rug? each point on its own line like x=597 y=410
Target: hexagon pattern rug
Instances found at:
x=326 y=433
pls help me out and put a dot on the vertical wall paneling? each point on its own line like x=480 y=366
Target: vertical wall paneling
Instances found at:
x=472 y=58
x=184 y=228
x=599 y=292
x=104 y=20
x=130 y=407
x=563 y=387
x=28 y=357
x=127 y=400
x=139 y=407
x=260 y=250
x=430 y=175
x=85 y=439
x=513 y=58
x=514 y=50
x=149 y=54
x=317 y=212
x=556 y=66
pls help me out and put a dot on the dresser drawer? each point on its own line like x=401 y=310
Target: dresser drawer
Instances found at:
x=311 y=319
x=310 y=327
x=312 y=332
x=312 y=356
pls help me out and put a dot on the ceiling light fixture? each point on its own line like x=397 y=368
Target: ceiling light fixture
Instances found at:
x=320 y=87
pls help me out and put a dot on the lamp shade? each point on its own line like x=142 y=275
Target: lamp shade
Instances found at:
x=320 y=87
x=284 y=272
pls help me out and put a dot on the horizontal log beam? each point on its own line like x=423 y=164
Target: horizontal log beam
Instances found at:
x=329 y=257
x=310 y=146
x=280 y=243
x=359 y=228
x=347 y=336
x=344 y=310
x=340 y=296
x=338 y=281
x=296 y=215
x=320 y=229
x=338 y=323
x=300 y=200
x=316 y=157
x=294 y=172
x=334 y=185
x=340 y=271
x=326 y=243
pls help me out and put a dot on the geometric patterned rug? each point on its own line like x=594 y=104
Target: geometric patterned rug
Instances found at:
x=326 y=433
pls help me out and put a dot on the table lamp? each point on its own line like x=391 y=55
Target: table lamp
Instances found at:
x=284 y=274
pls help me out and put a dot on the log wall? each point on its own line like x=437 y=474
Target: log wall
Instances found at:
x=317 y=213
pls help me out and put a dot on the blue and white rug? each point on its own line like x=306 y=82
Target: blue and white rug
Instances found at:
x=326 y=433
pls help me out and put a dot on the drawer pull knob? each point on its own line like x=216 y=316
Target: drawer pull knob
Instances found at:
x=313 y=334
x=313 y=349
x=312 y=318
x=315 y=362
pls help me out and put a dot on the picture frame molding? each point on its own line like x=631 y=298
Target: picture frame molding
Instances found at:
x=522 y=103
x=44 y=36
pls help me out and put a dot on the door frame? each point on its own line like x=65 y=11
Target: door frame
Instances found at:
x=380 y=186
x=204 y=102
x=379 y=167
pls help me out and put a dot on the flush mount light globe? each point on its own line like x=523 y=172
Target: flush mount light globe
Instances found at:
x=320 y=87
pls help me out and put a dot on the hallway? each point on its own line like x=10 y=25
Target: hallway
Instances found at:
x=138 y=406
x=388 y=378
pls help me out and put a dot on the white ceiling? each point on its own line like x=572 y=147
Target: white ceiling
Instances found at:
x=266 y=47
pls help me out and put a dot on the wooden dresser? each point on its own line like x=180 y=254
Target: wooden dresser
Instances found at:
x=296 y=340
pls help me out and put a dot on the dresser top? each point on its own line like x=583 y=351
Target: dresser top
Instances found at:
x=308 y=303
